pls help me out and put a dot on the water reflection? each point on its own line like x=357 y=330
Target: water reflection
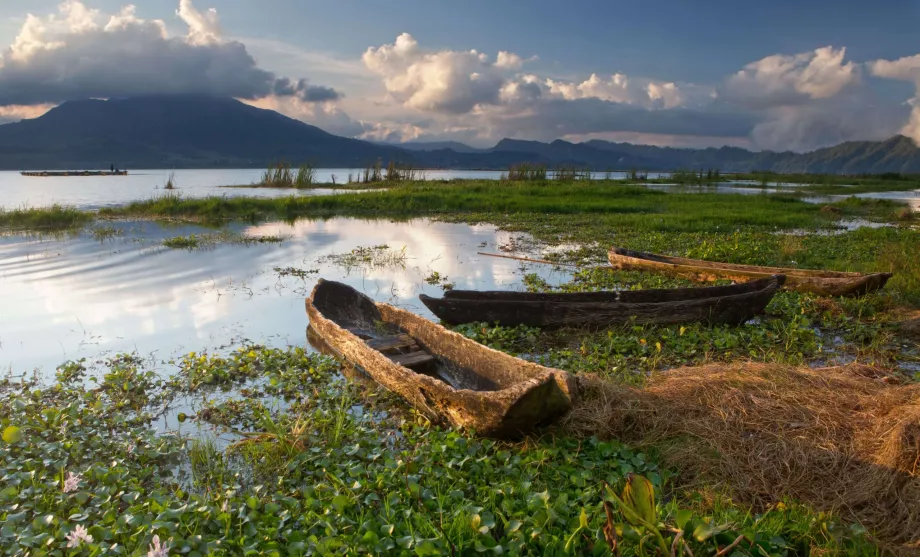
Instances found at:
x=911 y=198
x=68 y=298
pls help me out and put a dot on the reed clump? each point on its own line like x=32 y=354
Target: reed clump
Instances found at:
x=393 y=173
x=684 y=176
x=842 y=439
x=525 y=172
x=53 y=217
x=283 y=175
x=572 y=173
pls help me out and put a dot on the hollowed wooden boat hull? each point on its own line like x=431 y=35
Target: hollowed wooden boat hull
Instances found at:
x=475 y=388
x=732 y=305
x=823 y=283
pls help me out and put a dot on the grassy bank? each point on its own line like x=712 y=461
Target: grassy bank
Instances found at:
x=629 y=205
x=55 y=217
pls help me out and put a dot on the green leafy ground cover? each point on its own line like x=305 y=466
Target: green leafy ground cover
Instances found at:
x=330 y=472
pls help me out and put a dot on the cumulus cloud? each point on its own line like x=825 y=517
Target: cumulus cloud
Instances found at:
x=451 y=82
x=80 y=53
x=503 y=101
x=623 y=89
x=782 y=80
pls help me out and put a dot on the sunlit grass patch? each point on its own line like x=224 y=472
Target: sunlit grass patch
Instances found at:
x=54 y=217
x=196 y=241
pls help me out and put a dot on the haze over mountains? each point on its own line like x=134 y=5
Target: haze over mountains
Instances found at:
x=194 y=131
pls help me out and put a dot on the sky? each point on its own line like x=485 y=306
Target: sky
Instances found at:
x=779 y=75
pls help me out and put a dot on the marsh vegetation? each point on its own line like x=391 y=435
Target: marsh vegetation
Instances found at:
x=793 y=434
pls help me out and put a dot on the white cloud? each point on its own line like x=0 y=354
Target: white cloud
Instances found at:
x=69 y=55
x=496 y=99
x=643 y=92
x=782 y=80
x=203 y=28
x=451 y=82
x=15 y=113
x=904 y=69
x=509 y=60
x=327 y=116
x=816 y=125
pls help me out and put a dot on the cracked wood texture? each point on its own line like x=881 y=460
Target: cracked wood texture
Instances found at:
x=822 y=283
x=474 y=387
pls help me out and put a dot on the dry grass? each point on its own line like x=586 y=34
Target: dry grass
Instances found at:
x=842 y=439
x=911 y=325
x=791 y=246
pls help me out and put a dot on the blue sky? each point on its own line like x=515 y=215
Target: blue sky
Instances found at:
x=666 y=71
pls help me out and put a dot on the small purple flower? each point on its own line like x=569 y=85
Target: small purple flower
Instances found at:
x=157 y=549
x=72 y=482
x=77 y=536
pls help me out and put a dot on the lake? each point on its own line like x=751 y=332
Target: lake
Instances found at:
x=67 y=298
x=93 y=192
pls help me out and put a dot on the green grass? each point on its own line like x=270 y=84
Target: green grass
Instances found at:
x=631 y=204
x=196 y=241
x=55 y=217
x=323 y=476
x=797 y=329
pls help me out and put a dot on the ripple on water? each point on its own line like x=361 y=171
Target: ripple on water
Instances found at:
x=72 y=297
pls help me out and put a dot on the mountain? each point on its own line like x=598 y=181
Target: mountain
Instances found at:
x=194 y=131
x=176 y=131
x=438 y=145
x=898 y=154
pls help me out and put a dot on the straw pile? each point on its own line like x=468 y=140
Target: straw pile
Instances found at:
x=842 y=439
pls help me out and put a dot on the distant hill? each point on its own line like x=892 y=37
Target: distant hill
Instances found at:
x=176 y=131
x=438 y=145
x=194 y=131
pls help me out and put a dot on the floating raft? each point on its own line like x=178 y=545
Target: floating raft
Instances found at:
x=45 y=173
x=445 y=375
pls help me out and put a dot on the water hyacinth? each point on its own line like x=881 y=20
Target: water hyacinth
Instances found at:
x=157 y=549
x=72 y=482
x=79 y=535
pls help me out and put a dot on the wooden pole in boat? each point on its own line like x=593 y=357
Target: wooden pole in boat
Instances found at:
x=544 y=261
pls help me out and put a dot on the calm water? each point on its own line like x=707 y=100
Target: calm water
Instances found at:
x=911 y=198
x=66 y=299
x=100 y=191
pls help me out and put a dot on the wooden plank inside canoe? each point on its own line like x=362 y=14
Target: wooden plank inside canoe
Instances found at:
x=395 y=342
x=413 y=360
x=360 y=333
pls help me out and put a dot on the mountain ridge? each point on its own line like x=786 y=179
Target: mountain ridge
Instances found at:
x=196 y=131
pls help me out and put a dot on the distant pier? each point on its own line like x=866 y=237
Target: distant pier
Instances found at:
x=45 y=173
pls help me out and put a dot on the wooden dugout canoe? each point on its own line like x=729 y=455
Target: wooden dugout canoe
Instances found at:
x=823 y=283
x=732 y=305
x=442 y=373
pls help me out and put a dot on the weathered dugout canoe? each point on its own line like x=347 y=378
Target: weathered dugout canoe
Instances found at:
x=732 y=305
x=443 y=374
x=823 y=283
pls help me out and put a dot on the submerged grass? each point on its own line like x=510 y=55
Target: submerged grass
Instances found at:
x=196 y=241
x=52 y=218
